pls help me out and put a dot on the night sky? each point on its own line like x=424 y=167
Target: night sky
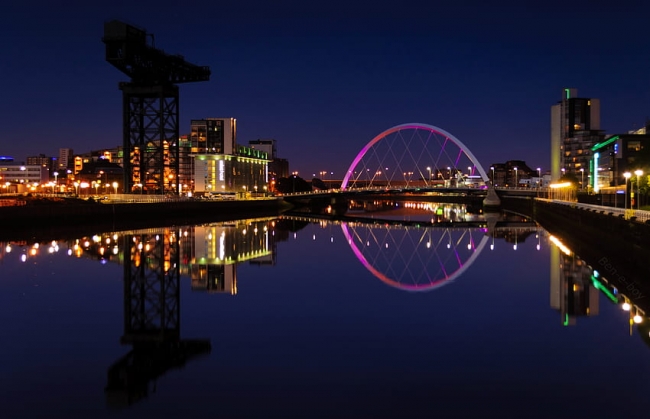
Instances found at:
x=324 y=78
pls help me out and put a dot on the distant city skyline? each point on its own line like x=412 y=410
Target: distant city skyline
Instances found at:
x=323 y=79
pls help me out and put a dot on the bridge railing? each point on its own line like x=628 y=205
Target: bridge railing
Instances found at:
x=629 y=214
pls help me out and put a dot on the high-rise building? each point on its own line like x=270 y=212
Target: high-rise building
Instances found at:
x=66 y=158
x=575 y=129
x=213 y=135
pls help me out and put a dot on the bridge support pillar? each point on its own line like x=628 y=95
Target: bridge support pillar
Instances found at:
x=492 y=202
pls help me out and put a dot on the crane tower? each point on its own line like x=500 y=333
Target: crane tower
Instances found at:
x=150 y=107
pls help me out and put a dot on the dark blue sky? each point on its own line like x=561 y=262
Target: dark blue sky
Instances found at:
x=324 y=78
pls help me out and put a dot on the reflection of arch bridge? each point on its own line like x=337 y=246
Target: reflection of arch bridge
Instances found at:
x=422 y=256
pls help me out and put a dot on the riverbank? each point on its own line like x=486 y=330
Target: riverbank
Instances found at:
x=42 y=219
x=618 y=249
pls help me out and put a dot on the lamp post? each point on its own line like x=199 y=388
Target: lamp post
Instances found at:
x=115 y=187
x=627 y=176
x=582 y=178
x=492 y=168
x=429 y=170
x=516 y=180
x=638 y=174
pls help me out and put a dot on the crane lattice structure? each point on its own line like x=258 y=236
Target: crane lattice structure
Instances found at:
x=151 y=154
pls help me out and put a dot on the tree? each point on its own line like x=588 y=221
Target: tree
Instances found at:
x=292 y=184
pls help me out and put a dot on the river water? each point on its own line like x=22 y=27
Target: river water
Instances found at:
x=299 y=317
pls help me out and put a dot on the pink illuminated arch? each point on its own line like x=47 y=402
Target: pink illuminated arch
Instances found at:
x=432 y=130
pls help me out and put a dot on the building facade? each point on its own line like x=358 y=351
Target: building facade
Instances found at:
x=616 y=155
x=242 y=174
x=66 y=159
x=19 y=177
x=213 y=135
x=575 y=129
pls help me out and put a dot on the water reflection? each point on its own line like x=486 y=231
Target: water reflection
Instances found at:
x=151 y=261
x=404 y=253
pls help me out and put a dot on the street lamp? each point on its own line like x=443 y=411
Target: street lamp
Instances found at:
x=539 y=177
x=115 y=187
x=626 y=175
x=582 y=178
x=492 y=168
x=638 y=174
x=76 y=188
x=56 y=179
x=516 y=181
x=429 y=170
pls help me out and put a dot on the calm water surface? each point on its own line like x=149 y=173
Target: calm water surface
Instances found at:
x=296 y=318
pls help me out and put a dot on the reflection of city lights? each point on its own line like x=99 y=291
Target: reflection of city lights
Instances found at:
x=115 y=250
x=36 y=246
x=86 y=243
x=313 y=237
x=139 y=246
x=23 y=257
x=8 y=248
x=386 y=245
x=69 y=252
x=514 y=246
x=32 y=252
x=560 y=245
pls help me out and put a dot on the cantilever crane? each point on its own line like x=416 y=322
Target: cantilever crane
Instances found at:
x=150 y=107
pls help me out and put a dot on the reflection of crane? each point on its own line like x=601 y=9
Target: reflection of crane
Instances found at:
x=152 y=317
x=150 y=106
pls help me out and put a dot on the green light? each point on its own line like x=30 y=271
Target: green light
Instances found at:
x=568 y=93
x=601 y=145
x=595 y=172
x=566 y=320
x=602 y=288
